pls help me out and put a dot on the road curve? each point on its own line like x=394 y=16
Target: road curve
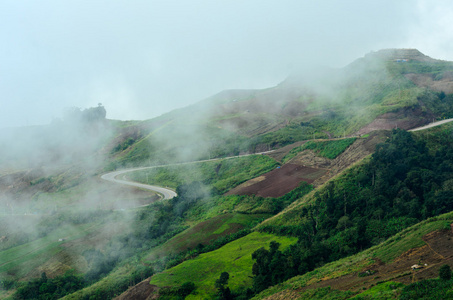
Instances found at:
x=167 y=194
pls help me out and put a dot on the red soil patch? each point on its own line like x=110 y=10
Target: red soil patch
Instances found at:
x=279 y=181
x=405 y=118
x=141 y=291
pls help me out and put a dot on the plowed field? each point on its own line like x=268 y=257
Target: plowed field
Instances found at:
x=278 y=182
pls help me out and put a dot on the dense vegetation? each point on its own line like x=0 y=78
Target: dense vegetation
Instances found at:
x=402 y=184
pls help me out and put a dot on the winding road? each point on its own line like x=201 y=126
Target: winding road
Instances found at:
x=166 y=193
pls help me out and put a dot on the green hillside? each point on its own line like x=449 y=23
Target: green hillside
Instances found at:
x=234 y=258
x=352 y=207
x=365 y=273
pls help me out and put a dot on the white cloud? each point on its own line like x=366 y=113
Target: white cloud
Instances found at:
x=432 y=29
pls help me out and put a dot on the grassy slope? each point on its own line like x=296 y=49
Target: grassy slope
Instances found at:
x=25 y=258
x=234 y=258
x=119 y=276
x=203 y=233
x=385 y=290
x=386 y=251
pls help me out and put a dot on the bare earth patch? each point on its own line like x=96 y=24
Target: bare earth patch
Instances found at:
x=279 y=181
x=308 y=167
x=425 y=80
x=141 y=291
x=406 y=118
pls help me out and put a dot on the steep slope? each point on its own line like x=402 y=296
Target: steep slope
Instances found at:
x=427 y=244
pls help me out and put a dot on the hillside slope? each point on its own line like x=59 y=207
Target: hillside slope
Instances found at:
x=368 y=185
x=429 y=242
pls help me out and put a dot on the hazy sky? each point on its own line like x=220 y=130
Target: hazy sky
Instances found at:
x=143 y=58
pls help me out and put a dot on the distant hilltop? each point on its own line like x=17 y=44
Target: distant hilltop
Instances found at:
x=401 y=55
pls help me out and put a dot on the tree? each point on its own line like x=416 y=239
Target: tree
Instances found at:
x=186 y=289
x=224 y=293
x=445 y=272
x=43 y=277
x=344 y=223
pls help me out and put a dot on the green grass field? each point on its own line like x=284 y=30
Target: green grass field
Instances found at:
x=385 y=290
x=234 y=258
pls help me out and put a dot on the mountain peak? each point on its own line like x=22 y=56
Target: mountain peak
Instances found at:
x=401 y=54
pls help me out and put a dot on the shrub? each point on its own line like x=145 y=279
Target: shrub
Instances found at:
x=445 y=272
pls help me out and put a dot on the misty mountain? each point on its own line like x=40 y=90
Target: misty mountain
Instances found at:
x=344 y=176
x=79 y=135
x=382 y=90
